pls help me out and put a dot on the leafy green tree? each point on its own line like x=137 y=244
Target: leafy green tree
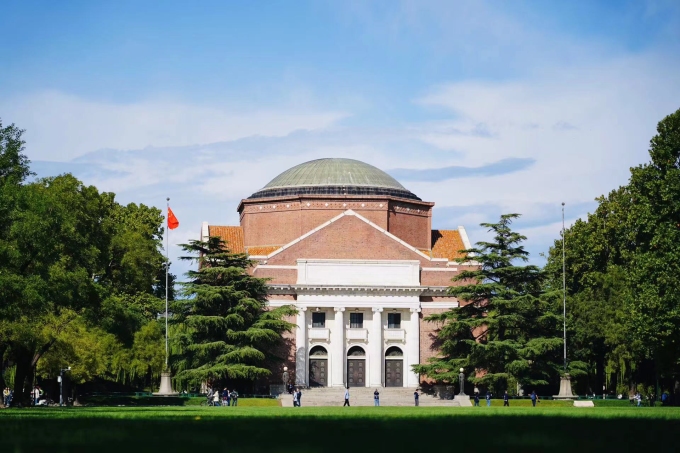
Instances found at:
x=622 y=266
x=225 y=330
x=52 y=252
x=503 y=331
x=598 y=334
x=14 y=169
x=148 y=353
x=654 y=233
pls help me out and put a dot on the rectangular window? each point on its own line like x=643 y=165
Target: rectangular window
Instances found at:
x=319 y=320
x=356 y=320
x=394 y=320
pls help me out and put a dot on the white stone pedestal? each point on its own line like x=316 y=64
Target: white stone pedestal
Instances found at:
x=565 y=389
x=463 y=400
x=166 y=385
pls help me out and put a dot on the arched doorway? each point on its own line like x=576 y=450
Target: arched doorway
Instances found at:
x=318 y=367
x=394 y=367
x=356 y=367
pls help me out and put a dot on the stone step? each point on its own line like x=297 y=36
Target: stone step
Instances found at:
x=363 y=396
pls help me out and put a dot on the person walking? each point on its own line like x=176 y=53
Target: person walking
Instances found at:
x=488 y=398
x=5 y=397
x=534 y=398
x=299 y=396
x=506 y=399
x=225 y=397
x=216 y=397
x=234 y=398
x=416 y=397
x=376 y=398
x=477 y=399
x=346 y=397
x=36 y=395
x=295 y=398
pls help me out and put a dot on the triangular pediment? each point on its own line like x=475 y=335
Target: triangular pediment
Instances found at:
x=346 y=236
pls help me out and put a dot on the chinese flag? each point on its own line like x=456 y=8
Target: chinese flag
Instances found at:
x=172 y=220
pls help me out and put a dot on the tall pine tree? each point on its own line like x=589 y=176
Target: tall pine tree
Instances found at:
x=224 y=328
x=503 y=332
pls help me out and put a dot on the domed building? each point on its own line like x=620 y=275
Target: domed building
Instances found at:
x=354 y=250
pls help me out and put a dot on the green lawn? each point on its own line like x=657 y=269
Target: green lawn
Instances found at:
x=325 y=429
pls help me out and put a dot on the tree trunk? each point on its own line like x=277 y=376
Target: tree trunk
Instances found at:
x=599 y=374
x=3 y=349
x=21 y=391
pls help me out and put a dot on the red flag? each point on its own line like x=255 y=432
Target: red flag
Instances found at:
x=172 y=220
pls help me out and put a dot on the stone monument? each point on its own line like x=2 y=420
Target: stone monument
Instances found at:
x=166 y=385
x=462 y=398
x=565 y=388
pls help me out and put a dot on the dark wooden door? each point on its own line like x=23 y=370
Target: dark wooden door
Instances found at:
x=393 y=373
x=318 y=372
x=356 y=372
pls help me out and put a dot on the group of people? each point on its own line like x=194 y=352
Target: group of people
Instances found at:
x=223 y=398
x=506 y=398
x=297 y=397
x=7 y=395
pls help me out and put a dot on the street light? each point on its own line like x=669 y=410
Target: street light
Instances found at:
x=61 y=384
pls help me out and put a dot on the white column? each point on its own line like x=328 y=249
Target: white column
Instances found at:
x=375 y=344
x=412 y=348
x=301 y=347
x=337 y=352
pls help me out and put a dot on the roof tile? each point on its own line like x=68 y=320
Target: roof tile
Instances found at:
x=260 y=251
x=447 y=244
x=232 y=235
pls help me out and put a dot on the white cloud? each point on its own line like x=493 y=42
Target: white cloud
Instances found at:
x=611 y=109
x=61 y=126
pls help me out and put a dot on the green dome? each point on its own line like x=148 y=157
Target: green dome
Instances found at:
x=333 y=177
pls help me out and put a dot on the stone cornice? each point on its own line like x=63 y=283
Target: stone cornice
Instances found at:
x=279 y=289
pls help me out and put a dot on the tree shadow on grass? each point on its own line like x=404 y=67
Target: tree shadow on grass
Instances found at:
x=308 y=433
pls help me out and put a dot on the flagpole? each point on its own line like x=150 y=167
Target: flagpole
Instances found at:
x=564 y=292
x=167 y=262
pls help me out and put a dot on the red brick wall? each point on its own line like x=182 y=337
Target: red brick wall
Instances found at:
x=278 y=276
x=280 y=221
x=413 y=228
x=437 y=278
x=347 y=238
x=428 y=333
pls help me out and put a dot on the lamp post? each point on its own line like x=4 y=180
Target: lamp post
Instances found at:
x=61 y=385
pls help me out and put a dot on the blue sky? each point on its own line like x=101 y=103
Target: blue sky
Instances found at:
x=483 y=107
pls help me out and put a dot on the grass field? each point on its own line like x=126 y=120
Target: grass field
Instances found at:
x=326 y=429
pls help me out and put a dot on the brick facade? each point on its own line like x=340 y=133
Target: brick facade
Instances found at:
x=277 y=231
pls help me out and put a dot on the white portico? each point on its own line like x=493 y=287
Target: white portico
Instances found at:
x=358 y=322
